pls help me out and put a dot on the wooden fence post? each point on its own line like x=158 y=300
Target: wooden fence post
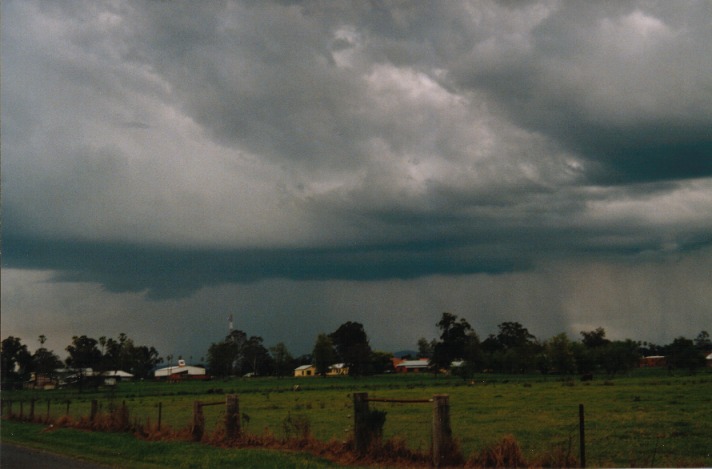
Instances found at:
x=232 y=416
x=93 y=411
x=582 y=438
x=32 y=409
x=48 y=403
x=361 y=432
x=160 y=411
x=68 y=402
x=22 y=409
x=442 y=432
x=198 y=421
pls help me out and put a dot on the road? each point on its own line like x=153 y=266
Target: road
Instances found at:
x=18 y=457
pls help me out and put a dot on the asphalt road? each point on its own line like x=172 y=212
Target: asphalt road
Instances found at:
x=18 y=457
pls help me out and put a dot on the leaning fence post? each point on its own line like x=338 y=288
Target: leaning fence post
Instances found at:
x=198 y=421
x=442 y=432
x=232 y=416
x=361 y=431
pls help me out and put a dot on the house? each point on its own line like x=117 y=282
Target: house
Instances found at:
x=338 y=369
x=708 y=360
x=652 y=361
x=305 y=370
x=180 y=372
x=412 y=366
x=117 y=375
x=41 y=381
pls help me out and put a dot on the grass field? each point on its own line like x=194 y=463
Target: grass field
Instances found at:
x=650 y=418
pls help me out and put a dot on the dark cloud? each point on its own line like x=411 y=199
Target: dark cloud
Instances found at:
x=169 y=149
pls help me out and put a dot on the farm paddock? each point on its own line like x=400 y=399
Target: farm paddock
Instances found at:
x=650 y=418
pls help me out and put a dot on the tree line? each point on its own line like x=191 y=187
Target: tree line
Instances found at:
x=458 y=349
x=84 y=353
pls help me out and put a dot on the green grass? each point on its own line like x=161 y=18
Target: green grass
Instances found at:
x=123 y=450
x=650 y=418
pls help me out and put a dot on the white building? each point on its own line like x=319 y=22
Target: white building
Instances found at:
x=181 y=371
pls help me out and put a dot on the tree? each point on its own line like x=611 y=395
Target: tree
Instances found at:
x=324 y=354
x=227 y=357
x=221 y=358
x=560 y=354
x=683 y=354
x=703 y=342
x=425 y=348
x=45 y=361
x=595 y=338
x=382 y=362
x=256 y=357
x=83 y=353
x=517 y=348
x=618 y=356
x=16 y=361
x=453 y=341
x=143 y=359
x=283 y=360
x=352 y=347
x=513 y=335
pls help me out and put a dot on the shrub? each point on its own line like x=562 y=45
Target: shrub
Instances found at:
x=504 y=453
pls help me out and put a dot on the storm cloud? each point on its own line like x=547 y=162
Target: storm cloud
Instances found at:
x=180 y=156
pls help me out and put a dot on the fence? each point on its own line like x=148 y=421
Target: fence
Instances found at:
x=367 y=422
x=365 y=429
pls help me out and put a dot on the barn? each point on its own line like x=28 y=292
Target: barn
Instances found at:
x=412 y=366
x=181 y=371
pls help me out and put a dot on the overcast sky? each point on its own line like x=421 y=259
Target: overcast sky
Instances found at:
x=301 y=164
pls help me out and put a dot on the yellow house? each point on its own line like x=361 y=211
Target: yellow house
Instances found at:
x=305 y=370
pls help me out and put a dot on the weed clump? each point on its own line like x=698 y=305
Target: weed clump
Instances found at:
x=504 y=453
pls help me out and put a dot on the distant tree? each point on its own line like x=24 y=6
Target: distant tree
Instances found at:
x=352 y=347
x=227 y=358
x=425 y=348
x=324 y=354
x=683 y=354
x=586 y=358
x=618 y=356
x=703 y=342
x=283 y=360
x=256 y=357
x=595 y=338
x=560 y=354
x=83 y=353
x=221 y=358
x=382 y=362
x=513 y=350
x=453 y=341
x=45 y=361
x=472 y=356
x=16 y=361
x=143 y=359
x=512 y=335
